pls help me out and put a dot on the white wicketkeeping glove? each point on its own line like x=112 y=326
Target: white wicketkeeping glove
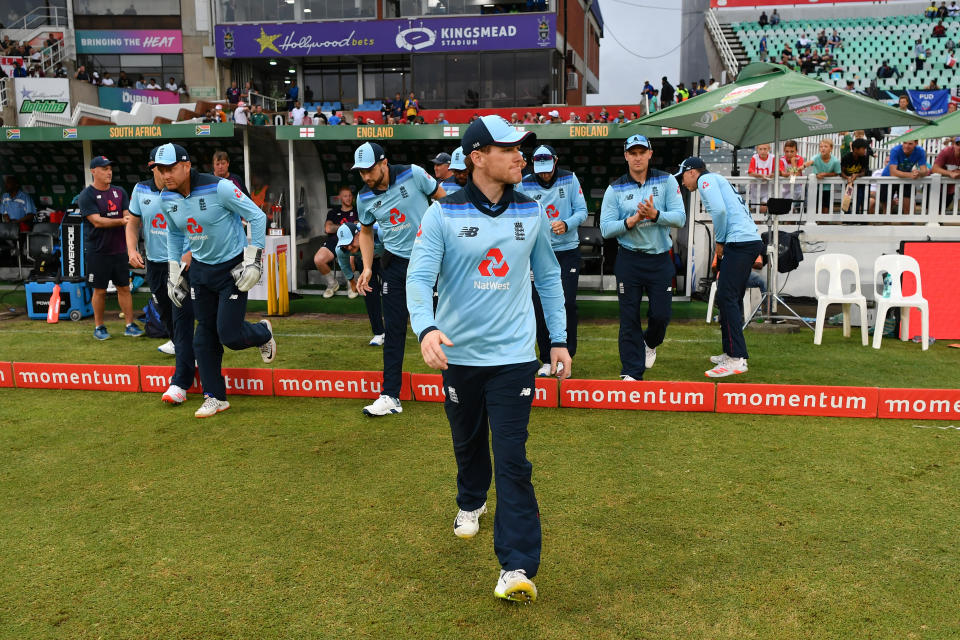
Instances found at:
x=247 y=273
x=176 y=286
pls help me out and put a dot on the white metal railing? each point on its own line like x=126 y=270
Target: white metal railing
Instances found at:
x=268 y=103
x=51 y=56
x=873 y=200
x=726 y=53
x=4 y=94
x=38 y=119
x=41 y=17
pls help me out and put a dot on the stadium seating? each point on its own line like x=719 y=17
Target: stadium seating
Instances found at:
x=866 y=43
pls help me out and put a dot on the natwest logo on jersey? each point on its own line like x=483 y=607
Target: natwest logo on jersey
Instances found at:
x=552 y=211
x=397 y=216
x=159 y=222
x=493 y=264
x=193 y=226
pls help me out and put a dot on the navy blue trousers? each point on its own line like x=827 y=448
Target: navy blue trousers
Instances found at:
x=734 y=271
x=638 y=273
x=220 y=309
x=178 y=322
x=496 y=400
x=570 y=278
x=395 y=315
x=372 y=300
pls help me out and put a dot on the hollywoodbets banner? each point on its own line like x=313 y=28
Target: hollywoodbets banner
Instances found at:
x=424 y=35
x=930 y=103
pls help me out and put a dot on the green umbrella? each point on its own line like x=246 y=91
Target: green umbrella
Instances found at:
x=943 y=127
x=768 y=103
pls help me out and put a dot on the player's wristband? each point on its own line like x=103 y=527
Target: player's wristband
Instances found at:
x=558 y=345
x=423 y=334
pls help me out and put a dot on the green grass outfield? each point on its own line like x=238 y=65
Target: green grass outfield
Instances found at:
x=300 y=518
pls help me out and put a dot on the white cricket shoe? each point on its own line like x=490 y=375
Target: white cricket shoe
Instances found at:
x=211 y=407
x=626 y=378
x=377 y=340
x=330 y=290
x=268 y=350
x=544 y=371
x=168 y=348
x=467 y=523
x=383 y=406
x=516 y=586
x=650 y=356
x=174 y=395
x=718 y=359
x=729 y=367
x=352 y=293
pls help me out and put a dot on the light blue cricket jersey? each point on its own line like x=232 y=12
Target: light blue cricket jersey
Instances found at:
x=483 y=254
x=450 y=185
x=561 y=199
x=145 y=204
x=620 y=201
x=399 y=208
x=731 y=218
x=343 y=257
x=210 y=219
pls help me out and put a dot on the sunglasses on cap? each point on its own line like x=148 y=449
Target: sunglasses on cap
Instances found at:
x=543 y=158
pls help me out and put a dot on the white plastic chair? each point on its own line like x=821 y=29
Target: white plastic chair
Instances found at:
x=896 y=266
x=835 y=264
x=747 y=303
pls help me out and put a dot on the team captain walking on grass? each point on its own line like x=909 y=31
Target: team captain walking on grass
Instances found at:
x=482 y=243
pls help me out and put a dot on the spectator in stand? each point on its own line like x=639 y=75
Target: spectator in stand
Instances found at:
x=682 y=93
x=248 y=88
x=259 y=118
x=140 y=83
x=442 y=119
x=18 y=70
x=886 y=71
x=153 y=86
x=947 y=164
x=942 y=11
x=82 y=74
x=35 y=71
x=763 y=48
x=933 y=86
x=666 y=92
x=939 y=31
x=919 y=54
x=528 y=118
x=903 y=103
x=854 y=165
x=441 y=166
x=96 y=78
x=107 y=80
x=761 y=169
x=16 y=204
x=822 y=40
x=385 y=110
x=791 y=172
x=233 y=93
x=51 y=40
x=554 y=117
x=123 y=82
x=951 y=107
x=931 y=11
x=835 y=41
x=34 y=54
x=293 y=94
x=411 y=107
x=334 y=119
x=824 y=166
x=345 y=213
x=240 y=114
x=950 y=60
x=954 y=10
x=296 y=114
x=763 y=20
x=172 y=85
x=572 y=119
x=397 y=107
x=604 y=115
x=654 y=102
x=60 y=71
x=803 y=42
x=648 y=89
x=221 y=169
x=908 y=161
x=774 y=18
x=514 y=119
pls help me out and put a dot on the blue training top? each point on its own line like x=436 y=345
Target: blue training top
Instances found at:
x=399 y=208
x=210 y=219
x=145 y=204
x=343 y=256
x=483 y=254
x=620 y=201
x=731 y=218
x=561 y=199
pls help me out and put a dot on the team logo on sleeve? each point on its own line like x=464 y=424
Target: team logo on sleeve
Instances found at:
x=396 y=216
x=493 y=264
x=159 y=222
x=193 y=226
x=238 y=193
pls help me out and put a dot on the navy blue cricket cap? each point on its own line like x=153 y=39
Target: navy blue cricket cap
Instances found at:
x=367 y=155
x=170 y=154
x=636 y=140
x=442 y=158
x=100 y=161
x=494 y=130
x=693 y=162
x=153 y=158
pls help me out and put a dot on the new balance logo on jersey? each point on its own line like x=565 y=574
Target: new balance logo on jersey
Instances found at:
x=173 y=209
x=147 y=201
x=159 y=222
x=552 y=211
x=493 y=264
x=376 y=205
x=468 y=232
x=396 y=216
x=525 y=392
x=203 y=205
x=537 y=196
x=193 y=226
x=629 y=196
x=518 y=232
x=403 y=192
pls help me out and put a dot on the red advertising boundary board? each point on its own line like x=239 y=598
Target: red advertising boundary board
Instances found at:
x=6 y=374
x=157 y=379
x=89 y=377
x=797 y=400
x=930 y=404
x=428 y=387
x=641 y=395
x=310 y=383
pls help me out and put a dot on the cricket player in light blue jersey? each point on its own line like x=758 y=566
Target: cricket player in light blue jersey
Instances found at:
x=479 y=246
x=639 y=210
x=395 y=197
x=348 y=246
x=207 y=210
x=558 y=192
x=459 y=170
x=738 y=247
x=145 y=205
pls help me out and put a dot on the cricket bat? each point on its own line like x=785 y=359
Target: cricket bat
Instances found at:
x=53 y=311
x=847 y=199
